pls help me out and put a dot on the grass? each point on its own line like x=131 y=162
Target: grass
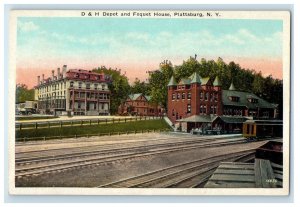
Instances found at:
x=94 y=129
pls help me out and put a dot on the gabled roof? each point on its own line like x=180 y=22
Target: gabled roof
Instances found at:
x=217 y=82
x=134 y=96
x=172 y=82
x=185 y=81
x=195 y=78
x=204 y=80
x=148 y=98
x=243 y=100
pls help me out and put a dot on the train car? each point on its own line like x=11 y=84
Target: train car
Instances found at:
x=259 y=129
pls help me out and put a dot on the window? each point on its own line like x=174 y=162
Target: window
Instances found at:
x=189 y=96
x=211 y=110
x=183 y=96
x=204 y=109
x=103 y=87
x=173 y=112
x=211 y=97
x=173 y=96
x=216 y=97
x=201 y=95
x=76 y=75
x=206 y=96
x=95 y=106
x=95 y=86
x=79 y=84
x=201 y=109
x=88 y=86
x=178 y=96
x=79 y=105
x=234 y=98
x=189 y=108
x=253 y=100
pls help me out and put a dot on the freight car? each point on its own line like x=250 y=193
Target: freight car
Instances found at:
x=260 y=129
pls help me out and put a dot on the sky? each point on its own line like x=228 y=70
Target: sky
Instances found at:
x=139 y=45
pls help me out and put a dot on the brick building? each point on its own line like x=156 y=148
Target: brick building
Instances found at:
x=201 y=102
x=139 y=104
x=80 y=92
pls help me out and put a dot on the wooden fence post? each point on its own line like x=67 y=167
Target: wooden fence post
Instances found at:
x=105 y=121
x=60 y=124
x=119 y=120
x=36 y=125
x=48 y=125
x=20 y=126
x=125 y=120
x=81 y=122
x=90 y=122
x=98 y=121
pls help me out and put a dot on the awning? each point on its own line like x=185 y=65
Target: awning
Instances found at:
x=233 y=120
x=198 y=118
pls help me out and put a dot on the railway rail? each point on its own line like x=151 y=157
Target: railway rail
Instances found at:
x=37 y=165
x=179 y=175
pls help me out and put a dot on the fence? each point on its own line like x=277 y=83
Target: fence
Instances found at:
x=80 y=122
x=25 y=139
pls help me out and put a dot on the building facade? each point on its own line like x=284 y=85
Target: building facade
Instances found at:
x=77 y=91
x=139 y=104
x=201 y=100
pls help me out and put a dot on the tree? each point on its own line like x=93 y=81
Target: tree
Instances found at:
x=23 y=93
x=158 y=81
x=119 y=87
x=140 y=87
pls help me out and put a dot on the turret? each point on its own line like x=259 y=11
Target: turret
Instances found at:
x=232 y=88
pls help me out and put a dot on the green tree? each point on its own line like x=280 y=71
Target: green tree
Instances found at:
x=140 y=87
x=23 y=93
x=119 y=87
x=158 y=81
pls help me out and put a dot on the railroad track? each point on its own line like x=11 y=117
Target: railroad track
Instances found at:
x=27 y=158
x=74 y=161
x=189 y=174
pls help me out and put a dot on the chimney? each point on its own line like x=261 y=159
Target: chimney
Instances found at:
x=43 y=78
x=58 y=73
x=52 y=74
x=38 y=80
x=64 y=71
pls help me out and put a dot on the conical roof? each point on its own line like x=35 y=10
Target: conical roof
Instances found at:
x=172 y=82
x=195 y=78
x=232 y=88
x=217 y=82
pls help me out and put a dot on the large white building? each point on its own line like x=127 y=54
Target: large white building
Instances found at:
x=77 y=91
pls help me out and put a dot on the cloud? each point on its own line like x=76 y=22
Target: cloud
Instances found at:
x=27 y=26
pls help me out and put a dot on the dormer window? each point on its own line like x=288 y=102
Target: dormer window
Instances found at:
x=76 y=75
x=234 y=98
x=253 y=100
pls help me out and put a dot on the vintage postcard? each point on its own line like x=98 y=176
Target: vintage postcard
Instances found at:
x=149 y=102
